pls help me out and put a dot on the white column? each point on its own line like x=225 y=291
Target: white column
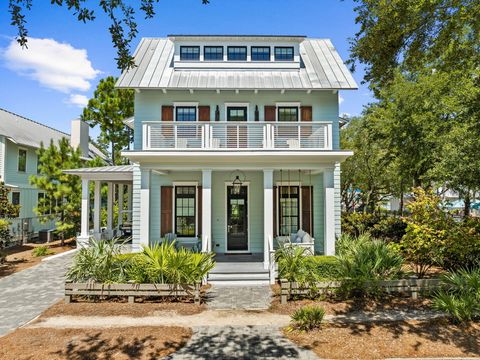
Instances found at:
x=206 y=210
x=82 y=240
x=267 y=215
x=110 y=187
x=120 y=205
x=96 y=209
x=329 y=224
x=145 y=208
x=129 y=202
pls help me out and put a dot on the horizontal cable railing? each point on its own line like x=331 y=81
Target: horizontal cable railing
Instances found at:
x=158 y=135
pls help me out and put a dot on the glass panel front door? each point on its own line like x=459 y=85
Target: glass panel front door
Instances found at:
x=237 y=219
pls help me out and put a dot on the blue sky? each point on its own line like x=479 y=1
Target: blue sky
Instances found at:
x=50 y=87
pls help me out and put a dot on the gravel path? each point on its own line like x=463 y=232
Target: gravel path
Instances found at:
x=26 y=294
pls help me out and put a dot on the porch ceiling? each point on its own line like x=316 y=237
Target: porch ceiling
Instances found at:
x=170 y=160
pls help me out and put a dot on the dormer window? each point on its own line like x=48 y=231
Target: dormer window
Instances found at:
x=283 y=53
x=189 y=52
x=237 y=53
x=213 y=53
x=260 y=53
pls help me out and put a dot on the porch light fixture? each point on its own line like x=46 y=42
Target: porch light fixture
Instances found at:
x=237 y=184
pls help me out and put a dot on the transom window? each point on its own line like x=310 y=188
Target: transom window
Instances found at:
x=288 y=113
x=186 y=113
x=22 y=160
x=189 y=52
x=289 y=206
x=283 y=53
x=185 y=211
x=213 y=53
x=260 y=53
x=237 y=113
x=237 y=53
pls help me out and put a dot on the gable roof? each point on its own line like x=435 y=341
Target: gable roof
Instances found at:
x=26 y=132
x=321 y=68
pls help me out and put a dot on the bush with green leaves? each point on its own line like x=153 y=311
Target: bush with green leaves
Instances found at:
x=460 y=295
x=295 y=264
x=41 y=251
x=364 y=261
x=325 y=267
x=5 y=235
x=308 y=318
x=462 y=245
x=385 y=227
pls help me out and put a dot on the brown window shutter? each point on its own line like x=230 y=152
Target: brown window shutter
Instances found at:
x=270 y=112
x=307 y=209
x=199 y=210
x=166 y=210
x=306 y=112
x=167 y=113
x=204 y=113
x=274 y=212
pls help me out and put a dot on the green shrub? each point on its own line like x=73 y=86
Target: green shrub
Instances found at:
x=363 y=261
x=294 y=264
x=41 y=251
x=5 y=236
x=308 y=318
x=326 y=267
x=357 y=223
x=99 y=262
x=384 y=227
x=460 y=295
x=389 y=229
x=462 y=245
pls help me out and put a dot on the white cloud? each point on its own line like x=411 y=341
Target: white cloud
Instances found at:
x=55 y=65
x=340 y=99
x=77 y=100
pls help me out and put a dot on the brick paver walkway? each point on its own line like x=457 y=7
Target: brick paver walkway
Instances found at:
x=26 y=294
x=239 y=297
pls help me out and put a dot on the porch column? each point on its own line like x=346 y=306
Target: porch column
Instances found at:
x=329 y=227
x=267 y=215
x=96 y=210
x=129 y=202
x=206 y=210
x=120 y=206
x=110 y=187
x=145 y=208
x=82 y=240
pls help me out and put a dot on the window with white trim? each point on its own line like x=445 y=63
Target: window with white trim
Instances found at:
x=185 y=211
x=22 y=160
x=287 y=113
x=186 y=113
x=289 y=209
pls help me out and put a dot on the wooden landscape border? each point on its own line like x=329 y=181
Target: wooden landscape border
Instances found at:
x=412 y=286
x=131 y=290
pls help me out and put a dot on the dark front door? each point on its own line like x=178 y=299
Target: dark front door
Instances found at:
x=237 y=219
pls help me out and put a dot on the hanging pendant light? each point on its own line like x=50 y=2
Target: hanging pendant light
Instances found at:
x=237 y=184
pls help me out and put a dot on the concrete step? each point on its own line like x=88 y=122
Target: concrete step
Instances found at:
x=221 y=283
x=239 y=276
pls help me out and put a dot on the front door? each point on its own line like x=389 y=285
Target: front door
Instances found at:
x=237 y=219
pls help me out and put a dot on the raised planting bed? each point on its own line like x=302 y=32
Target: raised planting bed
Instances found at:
x=131 y=290
x=412 y=286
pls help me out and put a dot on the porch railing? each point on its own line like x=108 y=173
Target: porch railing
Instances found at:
x=158 y=135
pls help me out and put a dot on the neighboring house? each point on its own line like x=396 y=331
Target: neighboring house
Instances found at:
x=19 y=140
x=236 y=143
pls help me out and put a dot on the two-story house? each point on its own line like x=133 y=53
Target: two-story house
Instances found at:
x=20 y=138
x=236 y=143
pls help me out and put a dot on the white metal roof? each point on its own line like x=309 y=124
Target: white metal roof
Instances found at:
x=321 y=68
x=26 y=132
x=121 y=173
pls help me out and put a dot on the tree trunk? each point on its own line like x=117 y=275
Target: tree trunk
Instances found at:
x=467 y=204
x=62 y=235
x=400 y=207
x=113 y=152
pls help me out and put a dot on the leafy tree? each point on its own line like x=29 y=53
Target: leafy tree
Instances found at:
x=7 y=210
x=107 y=109
x=122 y=15
x=62 y=191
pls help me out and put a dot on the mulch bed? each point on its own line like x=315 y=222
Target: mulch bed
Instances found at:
x=435 y=338
x=20 y=257
x=334 y=306
x=121 y=307
x=80 y=344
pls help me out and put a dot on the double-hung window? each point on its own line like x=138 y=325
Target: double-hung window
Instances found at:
x=214 y=53
x=238 y=53
x=16 y=198
x=289 y=205
x=237 y=113
x=287 y=113
x=185 y=211
x=260 y=53
x=189 y=52
x=186 y=113
x=283 y=53
x=22 y=160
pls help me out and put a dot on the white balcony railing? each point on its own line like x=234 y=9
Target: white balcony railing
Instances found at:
x=158 y=135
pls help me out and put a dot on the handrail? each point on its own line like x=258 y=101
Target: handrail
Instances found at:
x=271 y=254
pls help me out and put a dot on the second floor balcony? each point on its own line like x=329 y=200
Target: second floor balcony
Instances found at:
x=163 y=135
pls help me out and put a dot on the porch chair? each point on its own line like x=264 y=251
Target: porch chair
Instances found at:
x=293 y=143
x=300 y=238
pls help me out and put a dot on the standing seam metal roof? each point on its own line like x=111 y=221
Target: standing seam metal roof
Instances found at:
x=321 y=68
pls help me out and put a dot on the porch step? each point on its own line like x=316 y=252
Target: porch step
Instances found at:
x=241 y=274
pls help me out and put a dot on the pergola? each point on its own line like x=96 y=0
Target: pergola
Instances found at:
x=116 y=177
